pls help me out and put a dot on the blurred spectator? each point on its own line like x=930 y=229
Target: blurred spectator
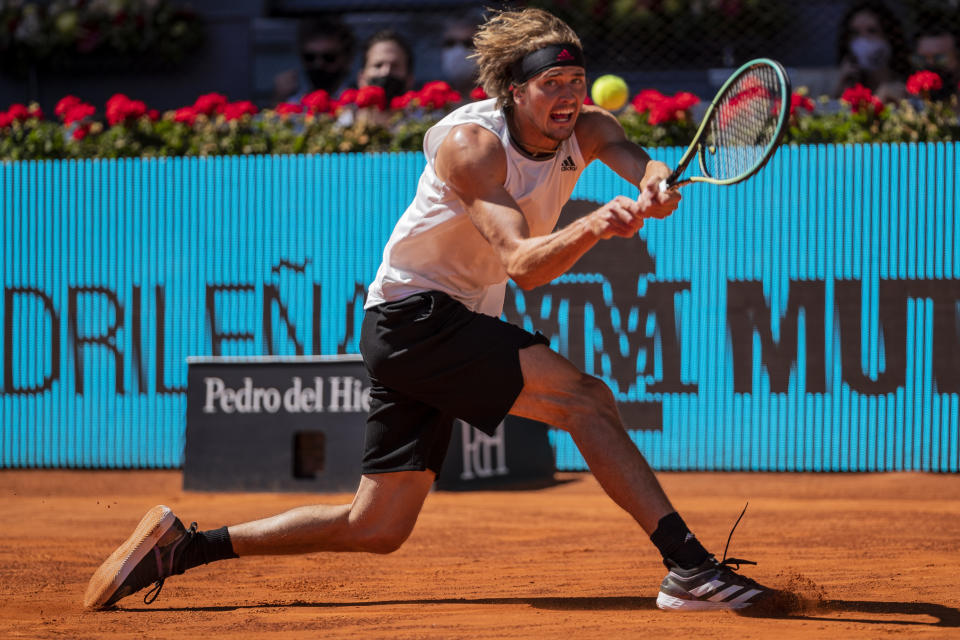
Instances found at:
x=457 y=69
x=388 y=63
x=937 y=49
x=326 y=49
x=871 y=51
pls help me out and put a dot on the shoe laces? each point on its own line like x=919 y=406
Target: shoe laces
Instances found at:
x=157 y=587
x=730 y=562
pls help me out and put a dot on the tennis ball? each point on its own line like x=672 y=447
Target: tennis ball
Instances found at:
x=609 y=92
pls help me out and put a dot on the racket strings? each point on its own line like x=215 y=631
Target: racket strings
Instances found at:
x=744 y=124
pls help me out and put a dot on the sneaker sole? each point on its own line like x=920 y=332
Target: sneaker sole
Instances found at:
x=671 y=603
x=128 y=555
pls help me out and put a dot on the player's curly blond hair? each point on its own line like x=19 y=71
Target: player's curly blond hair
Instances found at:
x=507 y=36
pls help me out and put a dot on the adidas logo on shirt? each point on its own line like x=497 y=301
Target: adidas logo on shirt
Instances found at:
x=568 y=164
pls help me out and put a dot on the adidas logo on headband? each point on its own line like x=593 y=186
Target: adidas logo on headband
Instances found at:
x=552 y=55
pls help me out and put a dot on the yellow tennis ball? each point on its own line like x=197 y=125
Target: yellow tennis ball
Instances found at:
x=609 y=92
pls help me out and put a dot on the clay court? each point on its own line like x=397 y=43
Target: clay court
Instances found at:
x=873 y=555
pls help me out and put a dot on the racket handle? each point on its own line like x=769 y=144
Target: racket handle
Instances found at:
x=671 y=180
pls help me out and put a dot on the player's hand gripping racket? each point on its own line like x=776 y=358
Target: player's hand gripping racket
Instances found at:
x=741 y=128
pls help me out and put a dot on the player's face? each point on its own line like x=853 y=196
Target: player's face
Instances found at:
x=550 y=102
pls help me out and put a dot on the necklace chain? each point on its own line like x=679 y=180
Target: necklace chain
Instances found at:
x=531 y=149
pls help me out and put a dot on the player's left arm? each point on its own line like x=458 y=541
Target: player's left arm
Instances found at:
x=601 y=137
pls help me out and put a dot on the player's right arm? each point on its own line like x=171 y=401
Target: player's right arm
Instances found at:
x=471 y=161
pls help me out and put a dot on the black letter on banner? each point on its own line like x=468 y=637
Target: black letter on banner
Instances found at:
x=107 y=339
x=216 y=338
x=136 y=340
x=317 y=309
x=946 y=341
x=47 y=383
x=892 y=326
x=748 y=311
x=272 y=295
x=946 y=335
x=661 y=294
x=359 y=295
x=162 y=386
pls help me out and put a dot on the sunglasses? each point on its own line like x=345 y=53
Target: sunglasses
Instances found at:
x=327 y=57
x=941 y=59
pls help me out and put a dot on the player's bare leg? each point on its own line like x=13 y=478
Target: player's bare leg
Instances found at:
x=379 y=520
x=559 y=394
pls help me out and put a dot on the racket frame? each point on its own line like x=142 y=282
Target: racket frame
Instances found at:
x=697 y=147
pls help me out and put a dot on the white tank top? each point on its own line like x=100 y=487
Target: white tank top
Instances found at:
x=435 y=246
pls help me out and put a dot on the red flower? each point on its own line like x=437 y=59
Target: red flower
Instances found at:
x=661 y=113
x=646 y=99
x=120 y=108
x=348 y=96
x=402 y=102
x=664 y=109
x=317 y=102
x=287 y=108
x=236 y=110
x=210 y=104
x=372 y=97
x=153 y=114
x=798 y=101
x=81 y=132
x=684 y=100
x=923 y=82
x=5 y=119
x=862 y=100
x=18 y=112
x=65 y=104
x=186 y=115
x=478 y=94
x=78 y=112
x=437 y=95
x=856 y=94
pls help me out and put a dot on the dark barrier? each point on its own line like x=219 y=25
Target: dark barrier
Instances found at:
x=518 y=454
x=275 y=424
x=297 y=424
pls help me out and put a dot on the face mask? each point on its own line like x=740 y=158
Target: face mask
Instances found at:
x=392 y=86
x=871 y=54
x=457 y=68
x=321 y=78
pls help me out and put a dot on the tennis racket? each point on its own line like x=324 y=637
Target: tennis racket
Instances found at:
x=742 y=126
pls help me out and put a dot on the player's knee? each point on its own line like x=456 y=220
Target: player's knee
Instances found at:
x=380 y=537
x=384 y=541
x=596 y=394
x=594 y=400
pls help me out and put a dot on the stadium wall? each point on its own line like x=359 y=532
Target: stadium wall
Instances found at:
x=806 y=320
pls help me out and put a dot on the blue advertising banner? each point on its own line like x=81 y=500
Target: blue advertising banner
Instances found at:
x=808 y=319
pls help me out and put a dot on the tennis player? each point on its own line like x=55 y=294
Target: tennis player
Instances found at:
x=498 y=172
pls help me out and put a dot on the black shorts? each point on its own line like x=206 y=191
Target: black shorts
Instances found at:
x=432 y=360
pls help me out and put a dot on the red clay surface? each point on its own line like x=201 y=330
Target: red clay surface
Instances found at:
x=874 y=555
